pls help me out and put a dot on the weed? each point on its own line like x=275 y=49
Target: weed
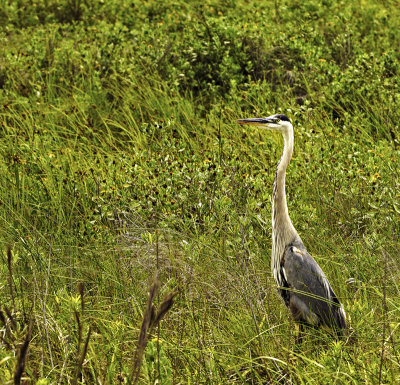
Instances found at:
x=119 y=156
x=151 y=319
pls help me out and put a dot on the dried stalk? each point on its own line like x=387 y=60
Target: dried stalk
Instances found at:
x=151 y=318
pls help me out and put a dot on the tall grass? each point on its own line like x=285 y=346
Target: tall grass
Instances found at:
x=119 y=159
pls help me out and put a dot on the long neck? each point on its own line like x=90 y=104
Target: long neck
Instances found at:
x=283 y=231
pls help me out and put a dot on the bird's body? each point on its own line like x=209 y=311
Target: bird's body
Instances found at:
x=301 y=282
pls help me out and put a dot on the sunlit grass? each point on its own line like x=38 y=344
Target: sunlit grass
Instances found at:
x=111 y=170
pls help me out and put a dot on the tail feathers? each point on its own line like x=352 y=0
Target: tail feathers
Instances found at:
x=339 y=315
x=340 y=318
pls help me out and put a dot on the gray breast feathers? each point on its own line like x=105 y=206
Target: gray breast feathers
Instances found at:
x=311 y=297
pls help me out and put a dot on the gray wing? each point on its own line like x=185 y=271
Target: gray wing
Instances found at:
x=311 y=297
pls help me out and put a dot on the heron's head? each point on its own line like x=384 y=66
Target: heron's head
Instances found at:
x=277 y=122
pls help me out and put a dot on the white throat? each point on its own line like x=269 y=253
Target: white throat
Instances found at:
x=283 y=231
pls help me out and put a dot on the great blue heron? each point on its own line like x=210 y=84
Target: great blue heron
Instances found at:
x=301 y=282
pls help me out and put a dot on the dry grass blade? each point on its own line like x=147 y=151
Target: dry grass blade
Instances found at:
x=148 y=317
x=78 y=321
x=10 y=317
x=165 y=305
x=153 y=291
x=78 y=374
x=151 y=318
x=20 y=367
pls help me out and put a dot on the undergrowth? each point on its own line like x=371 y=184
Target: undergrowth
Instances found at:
x=120 y=158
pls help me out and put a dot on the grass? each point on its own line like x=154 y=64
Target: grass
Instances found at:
x=120 y=158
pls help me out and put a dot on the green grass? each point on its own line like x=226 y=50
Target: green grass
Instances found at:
x=120 y=155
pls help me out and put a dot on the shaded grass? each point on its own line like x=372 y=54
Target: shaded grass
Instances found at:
x=108 y=175
x=229 y=324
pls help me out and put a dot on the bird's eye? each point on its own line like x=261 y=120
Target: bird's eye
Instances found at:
x=277 y=120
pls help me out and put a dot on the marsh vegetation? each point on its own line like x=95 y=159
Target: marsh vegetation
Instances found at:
x=120 y=157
